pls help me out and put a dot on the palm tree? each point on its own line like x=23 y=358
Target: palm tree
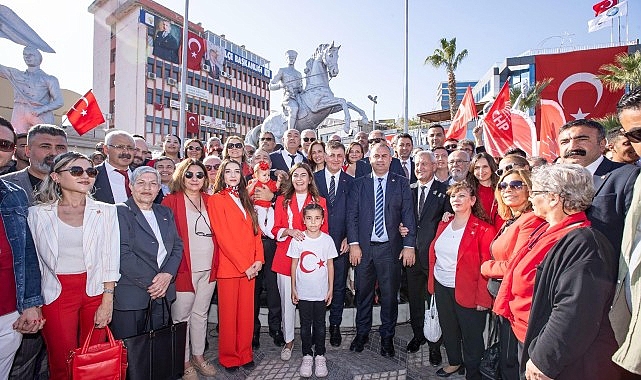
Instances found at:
x=446 y=56
x=533 y=96
x=625 y=72
x=609 y=122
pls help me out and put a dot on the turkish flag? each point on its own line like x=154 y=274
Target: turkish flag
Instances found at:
x=603 y=6
x=498 y=124
x=85 y=115
x=575 y=88
x=191 y=122
x=465 y=113
x=195 y=50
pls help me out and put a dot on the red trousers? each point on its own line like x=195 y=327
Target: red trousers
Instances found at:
x=70 y=318
x=236 y=321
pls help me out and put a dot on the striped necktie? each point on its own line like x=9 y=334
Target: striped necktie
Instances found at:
x=378 y=213
x=332 y=191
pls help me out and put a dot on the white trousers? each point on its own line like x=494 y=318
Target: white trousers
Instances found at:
x=288 y=309
x=265 y=220
x=9 y=342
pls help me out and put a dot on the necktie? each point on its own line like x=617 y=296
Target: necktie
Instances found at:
x=421 y=201
x=407 y=172
x=332 y=191
x=126 y=175
x=378 y=210
x=293 y=156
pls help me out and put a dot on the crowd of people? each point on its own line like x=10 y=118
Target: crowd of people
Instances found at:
x=549 y=252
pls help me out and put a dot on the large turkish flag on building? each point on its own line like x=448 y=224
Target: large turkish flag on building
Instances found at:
x=195 y=50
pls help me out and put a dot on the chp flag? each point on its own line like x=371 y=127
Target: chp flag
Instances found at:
x=85 y=115
x=466 y=112
x=498 y=124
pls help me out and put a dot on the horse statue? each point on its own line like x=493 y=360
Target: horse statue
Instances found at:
x=315 y=102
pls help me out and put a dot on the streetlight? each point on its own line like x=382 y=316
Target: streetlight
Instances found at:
x=373 y=99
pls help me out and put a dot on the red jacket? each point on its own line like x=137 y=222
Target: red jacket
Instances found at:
x=471 y=287
x=282 y=263
x=176 y=202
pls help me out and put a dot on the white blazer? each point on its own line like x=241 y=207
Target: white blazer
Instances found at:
x=100 y=243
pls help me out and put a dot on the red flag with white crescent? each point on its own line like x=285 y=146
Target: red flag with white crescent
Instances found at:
x=85 y=115
x=192 y=123
x=196 y=46
x=498 y=124
x=603 y=6
x=466 y=112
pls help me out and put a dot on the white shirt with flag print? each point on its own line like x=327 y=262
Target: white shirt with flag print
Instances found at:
x=311 y=271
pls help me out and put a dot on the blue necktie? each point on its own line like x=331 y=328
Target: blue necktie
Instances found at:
x=378 y=213
x=332 y=191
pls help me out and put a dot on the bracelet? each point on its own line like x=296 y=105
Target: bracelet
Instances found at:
x=108 y=291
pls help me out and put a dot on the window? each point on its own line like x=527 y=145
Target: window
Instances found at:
x=150 y=96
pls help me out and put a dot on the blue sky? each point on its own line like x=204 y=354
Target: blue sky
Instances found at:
x=370 y=34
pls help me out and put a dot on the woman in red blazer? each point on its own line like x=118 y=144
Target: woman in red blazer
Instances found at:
x=300 y=191
x=195 y=280
x=462 y=298
x=240 y=259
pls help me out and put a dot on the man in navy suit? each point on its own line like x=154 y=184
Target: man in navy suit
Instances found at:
x=376 y=207
x=363 y=166
x=287 y=157
x=165 y=44
x=334 y=185
x=404 y=146
x=112 y=181
x=581 y=142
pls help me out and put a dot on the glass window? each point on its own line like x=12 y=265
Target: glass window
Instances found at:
x=150 y=96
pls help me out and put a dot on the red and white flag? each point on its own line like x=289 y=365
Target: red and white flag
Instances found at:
x=603 y=6
x=85 y=115
x=466 y=112
x=498 y=124
x=195 y=50
x=191 y=122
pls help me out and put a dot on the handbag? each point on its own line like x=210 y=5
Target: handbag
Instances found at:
x=431 y=325
x=102 y=361
x=158 y=353
x=493 y=285
x=490 y=366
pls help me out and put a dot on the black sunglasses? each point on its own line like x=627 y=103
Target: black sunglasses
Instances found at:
x=634 y=135
x=507 y=168
x=309 y=139
x=76 y=171
x=190 y=175
x=196 y=148
x=235 y=145
x=212 y=167
x=450 y=147
x=7 y=146
x=266 y=139
x=513 y=185
x=375 y=140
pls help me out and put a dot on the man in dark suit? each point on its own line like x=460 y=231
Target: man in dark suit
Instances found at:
x=377 y=205
x=581 y=142
x=404 y=146
x=334 y=185
x=112 y=182
x=430 y=202
x=165 y=44
x=363 y=166
x=284 y=159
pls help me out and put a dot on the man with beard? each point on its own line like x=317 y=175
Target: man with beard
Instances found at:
x=141 y=152
x=44 y=142
x=582 y=142
x=112 y=181
x=20 y=155
x=458 y=162
x=618 y=144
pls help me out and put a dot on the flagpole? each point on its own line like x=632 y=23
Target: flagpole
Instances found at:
x=406 y=112
x=183 y=77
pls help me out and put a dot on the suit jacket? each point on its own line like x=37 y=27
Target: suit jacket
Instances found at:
x=436 y=203
x=398 y=209
x=166 y=47
x=395 y=167
x=278 y=162
x=614 y=184
x=21 y=178
x=139 y=252
x=335 y=213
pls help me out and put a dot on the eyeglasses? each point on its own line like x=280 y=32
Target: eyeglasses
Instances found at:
x=534 y=193
x=457 y=162
x=196 y=148
x=7 y=146
x=190 y=175
x=450 y=147
x=250 y=152
x=212 y=167
x=309 y=139
x=76 y=171
x=375 y=140
x=634 y=135
x=218 y=149
x=122 y=147
x=235 y=145
x=266 y=139
x=513 y=185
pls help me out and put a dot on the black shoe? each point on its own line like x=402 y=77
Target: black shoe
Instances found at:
x=256 y=340
x=387 y=347
x=250 y=365
x=231 y=369
x=441 y=372
x=415 y=344
x=335 y=338
x=277 y=335
x=358 y=344
x=435 y=356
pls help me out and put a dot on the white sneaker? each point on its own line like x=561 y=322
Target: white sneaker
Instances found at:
x=321 y=366
x=286 y=353
x=306 y=366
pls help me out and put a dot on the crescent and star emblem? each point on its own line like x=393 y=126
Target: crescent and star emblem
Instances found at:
x=588 y=78
x=190 y=118
x=320 y=263
x=84 y=110
x=194 y=53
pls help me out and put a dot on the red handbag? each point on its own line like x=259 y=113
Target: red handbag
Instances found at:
x=102 y=361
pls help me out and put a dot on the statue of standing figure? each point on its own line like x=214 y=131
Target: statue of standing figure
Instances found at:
x=291 y=81
x=36 y=94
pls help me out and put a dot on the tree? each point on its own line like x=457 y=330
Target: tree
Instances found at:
x=609 y=122
x=533 y=96
x=626 y=71
x=446 y=56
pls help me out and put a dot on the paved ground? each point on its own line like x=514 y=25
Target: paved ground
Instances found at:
x=341 y=362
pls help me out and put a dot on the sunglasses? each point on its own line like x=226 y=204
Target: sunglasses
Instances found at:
x=634 y=135
x=450 y=147
x=375 y=140
x=76 y=171
x=513 y=185
x=212 y=167
x=266 y=139
x=235 y=145
x=190 y=175
x=7 y=146
x=507 y=168
x=196 y=148
x=309 y=139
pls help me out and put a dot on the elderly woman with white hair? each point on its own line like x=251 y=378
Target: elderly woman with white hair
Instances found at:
x=571 y=269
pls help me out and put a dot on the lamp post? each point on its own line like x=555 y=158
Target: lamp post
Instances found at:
x=374 y=102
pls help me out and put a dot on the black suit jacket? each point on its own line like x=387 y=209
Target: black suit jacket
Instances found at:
x=336 y=213
x=614 y=184
x=395 y=167
x=436 y=203
x=279 y=163
x=139 y=252
x=398 y=209
x=166 y=47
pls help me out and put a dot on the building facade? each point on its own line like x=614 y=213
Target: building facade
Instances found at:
x=443 y=93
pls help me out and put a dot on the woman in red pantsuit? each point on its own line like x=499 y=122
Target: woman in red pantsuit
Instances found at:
x=241 y=258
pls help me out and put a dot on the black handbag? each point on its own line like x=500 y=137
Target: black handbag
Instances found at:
x=490 y=367
x=158 y=354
